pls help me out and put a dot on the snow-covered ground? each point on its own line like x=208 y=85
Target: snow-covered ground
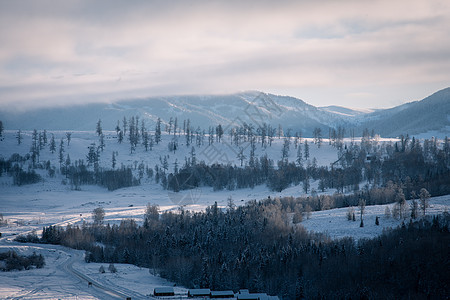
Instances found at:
x=66 y=276
x=334 y=222
x=50 y=202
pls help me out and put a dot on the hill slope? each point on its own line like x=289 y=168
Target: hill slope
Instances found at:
x=428 y=116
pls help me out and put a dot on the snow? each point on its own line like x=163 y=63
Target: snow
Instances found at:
x=335 y=224
x=50 y=202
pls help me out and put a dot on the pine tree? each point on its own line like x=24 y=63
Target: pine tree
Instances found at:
x=241 y=156
x=44 y=137
x=19 y=137
x=145 y=140
x=362 y=207
x=175 y=125
x=61 y=153
x=318 y=136
x=69 y=137
x=158 y=131
x=117 y=128
x=193 y=158
x=99 y=130
x=102 y=142
x=424 y=197
x=306 y=150
x=285 y=150
x=1 y=129
x=35 y=152
x=114 y=159
x=52 y=144
x=41 y=142
x=67 y=165
x=306 y=184
x=125 y=126
x=120 y=137
x=299 y=155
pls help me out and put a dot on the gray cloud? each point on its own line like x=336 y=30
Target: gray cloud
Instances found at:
x=326 y=52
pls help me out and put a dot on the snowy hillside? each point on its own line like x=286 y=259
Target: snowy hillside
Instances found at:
x=251 y=107
x=428 y=117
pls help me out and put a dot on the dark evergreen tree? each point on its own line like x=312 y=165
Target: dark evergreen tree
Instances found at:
x=99 y=129
x=68 y=137
x=44 y=137
x=61 y=153
x=158 y=131
x=19 y=137
x=52 y=144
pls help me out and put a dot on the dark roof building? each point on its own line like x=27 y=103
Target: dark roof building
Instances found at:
x=221 y=294
x=163 y=291
x=199 y=293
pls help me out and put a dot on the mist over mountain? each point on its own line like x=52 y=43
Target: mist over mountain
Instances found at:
x=430 y=115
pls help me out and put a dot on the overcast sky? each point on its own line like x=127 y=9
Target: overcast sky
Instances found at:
x=350 y=53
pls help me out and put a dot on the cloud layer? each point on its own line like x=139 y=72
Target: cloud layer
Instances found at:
x=351 y=53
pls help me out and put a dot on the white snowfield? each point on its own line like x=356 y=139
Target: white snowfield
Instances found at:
x=66 y=274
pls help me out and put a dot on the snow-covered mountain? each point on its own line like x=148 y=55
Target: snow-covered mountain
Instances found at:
x=431 y=115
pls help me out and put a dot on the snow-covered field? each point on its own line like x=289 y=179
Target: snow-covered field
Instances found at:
x=50 y=202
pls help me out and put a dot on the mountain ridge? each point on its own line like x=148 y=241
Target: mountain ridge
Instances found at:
x=250 y=107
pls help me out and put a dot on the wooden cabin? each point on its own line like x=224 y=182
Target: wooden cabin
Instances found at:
x=221 y=294
x=199 y=293
x=163 y=291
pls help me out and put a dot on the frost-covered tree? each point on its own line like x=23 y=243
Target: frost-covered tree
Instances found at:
x=61 y=153
x=68 y=137
x=318 y=136
x=52 y=144
x=306 y=183
x=99 y=129
x=114 y=160
x=151 y=215
x=44 y=137
x=158 y=131
x=124 y=125
x=102 y=142
x=112 y=268
x=19 y=137
x=98 y=215
x=424 y=197
x=285 y=150
x=241 y=156
x=306 y=150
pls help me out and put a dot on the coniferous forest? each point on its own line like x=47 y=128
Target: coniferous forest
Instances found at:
x=254 y=247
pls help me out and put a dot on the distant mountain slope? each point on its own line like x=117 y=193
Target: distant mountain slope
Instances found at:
x=344 y=111
x=250 y=107
x=429 y=115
